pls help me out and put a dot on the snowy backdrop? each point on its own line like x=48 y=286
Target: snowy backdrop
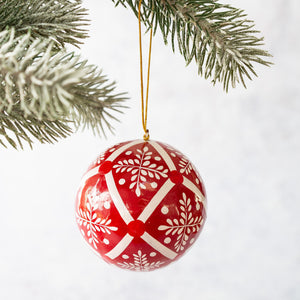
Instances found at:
x=246 y=145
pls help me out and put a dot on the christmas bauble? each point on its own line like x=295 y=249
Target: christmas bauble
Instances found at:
x=141 y=205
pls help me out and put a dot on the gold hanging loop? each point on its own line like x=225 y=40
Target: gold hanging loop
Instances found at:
x=144 y=103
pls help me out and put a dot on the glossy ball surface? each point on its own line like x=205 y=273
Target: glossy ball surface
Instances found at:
x=141 y=205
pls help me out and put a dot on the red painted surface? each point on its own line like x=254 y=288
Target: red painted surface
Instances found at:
x=141 y=206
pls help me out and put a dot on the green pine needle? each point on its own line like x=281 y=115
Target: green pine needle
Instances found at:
x=48 y=88
x=218 y=37
x=62 y=20
x=15 y=129
x=45 y=91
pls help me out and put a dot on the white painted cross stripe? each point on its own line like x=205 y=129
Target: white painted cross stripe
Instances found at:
x=149 y=209
x=86 y=176
x=89 y=174
x=116 y=153
x=191 y=186
x=158 y=246
x=164 y=155
x=117 y=200
x=95 y=170
x=120 y=247
x=156 y=200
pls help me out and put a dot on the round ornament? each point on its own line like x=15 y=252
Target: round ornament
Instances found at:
x=141 y=205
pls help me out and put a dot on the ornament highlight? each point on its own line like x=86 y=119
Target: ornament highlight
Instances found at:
x=141 y=205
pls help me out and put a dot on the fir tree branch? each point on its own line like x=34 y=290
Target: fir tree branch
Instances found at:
x=61 y=20
x=17 y=129
x=218 y=37
x=49 y=88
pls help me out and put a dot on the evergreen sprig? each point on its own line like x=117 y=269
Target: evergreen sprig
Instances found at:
x=218 y=37
x=51 y=86
x=15 y=129
x=44 y=90
x=62 y=20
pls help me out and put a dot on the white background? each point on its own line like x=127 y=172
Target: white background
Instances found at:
x=246 y=145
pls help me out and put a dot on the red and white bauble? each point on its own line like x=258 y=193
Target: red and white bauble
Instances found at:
x=141 y=205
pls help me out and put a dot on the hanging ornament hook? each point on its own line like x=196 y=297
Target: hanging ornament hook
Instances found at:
x=146 y=135
x=144 y=102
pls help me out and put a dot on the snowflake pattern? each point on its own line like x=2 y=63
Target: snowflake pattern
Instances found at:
x=185 y=166
x=138 y=172
x=141 y=169
x=90 y=220
x=140 y=263
x=99 y=159
x=184 y=225
x=198 y=202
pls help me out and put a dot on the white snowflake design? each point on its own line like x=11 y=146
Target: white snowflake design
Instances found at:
x=185 y=165
x=198 y=202
x=98 y=160
x=140 y=263
x=173 y=152
x=184 y=225
x=141 y=169
x=92 y=222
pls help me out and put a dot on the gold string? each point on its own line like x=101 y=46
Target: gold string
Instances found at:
x=144 y=103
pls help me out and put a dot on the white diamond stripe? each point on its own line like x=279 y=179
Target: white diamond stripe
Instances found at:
x=90 y=174
x=116 y=198
x=116 y=153
x=158 y=246
x=122 y=209
x=86 y=176
x=164 y=155
x=120 y=247
x=79 y=196
x=193 y=188
x=124 y=243
x=156 y=200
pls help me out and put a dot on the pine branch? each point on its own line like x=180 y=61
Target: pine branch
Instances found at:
x=49 y=89
x=17 y=129
x=61 y=20
x=218 y=37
